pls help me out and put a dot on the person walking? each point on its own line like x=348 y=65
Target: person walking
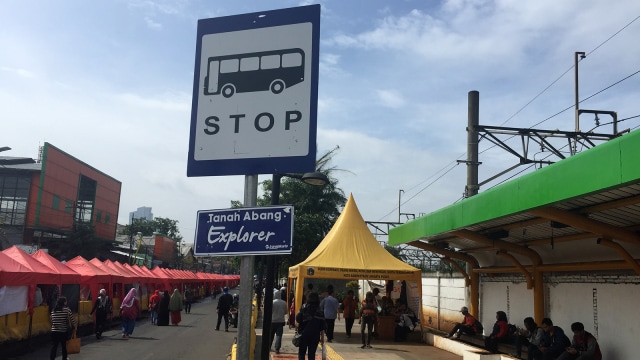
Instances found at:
x=350 y=311
x=224 y=305
x=312 y=327
x=163 y=309
x=62 y=321
x=129 y=311
x=103 y=308
x=278 y=311
x=175 y=307
x=154 y=300
x=368 y=317
x=188 y=299
x=330 y=306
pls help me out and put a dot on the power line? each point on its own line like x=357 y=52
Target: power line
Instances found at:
x=520 y=110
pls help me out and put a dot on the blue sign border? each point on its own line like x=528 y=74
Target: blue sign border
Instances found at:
x=252 y=231
x=266 y=165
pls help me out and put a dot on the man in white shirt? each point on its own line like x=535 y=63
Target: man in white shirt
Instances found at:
x=278 y=311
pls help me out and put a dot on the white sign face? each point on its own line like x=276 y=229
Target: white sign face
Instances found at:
x=254 y=98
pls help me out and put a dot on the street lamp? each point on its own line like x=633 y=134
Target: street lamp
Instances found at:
x=316 y=179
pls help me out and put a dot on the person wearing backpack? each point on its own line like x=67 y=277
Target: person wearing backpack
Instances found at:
x=312 y=327
x=102 y=308
x=500 y=333
x=469 y=325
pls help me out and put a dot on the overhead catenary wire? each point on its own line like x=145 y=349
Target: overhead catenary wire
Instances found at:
x=447 y=166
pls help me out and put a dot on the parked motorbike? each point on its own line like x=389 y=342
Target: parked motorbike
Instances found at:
x=233 y=316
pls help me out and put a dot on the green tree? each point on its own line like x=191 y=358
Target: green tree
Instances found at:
x=80 y=242
x=164 y=226
x=316 y=209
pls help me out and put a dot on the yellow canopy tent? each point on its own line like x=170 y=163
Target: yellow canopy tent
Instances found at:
x=350 y=251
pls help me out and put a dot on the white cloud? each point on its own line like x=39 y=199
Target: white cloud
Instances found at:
x=171 y=102
x=393 y=91
x=20 y=72
x=152 y=24
x=391 y=98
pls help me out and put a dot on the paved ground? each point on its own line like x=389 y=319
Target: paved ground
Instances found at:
x=195 y=338
x=343 y=348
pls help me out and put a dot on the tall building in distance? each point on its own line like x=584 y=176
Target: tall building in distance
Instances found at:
x=142 y=213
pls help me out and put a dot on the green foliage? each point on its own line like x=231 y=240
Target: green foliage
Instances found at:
x=164 y=226
x=81 y=242
x=353 y=285
x=316 y=209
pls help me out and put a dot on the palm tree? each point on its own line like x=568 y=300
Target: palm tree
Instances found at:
x=316 y=208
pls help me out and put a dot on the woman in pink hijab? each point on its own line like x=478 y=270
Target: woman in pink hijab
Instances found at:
x=129 y=310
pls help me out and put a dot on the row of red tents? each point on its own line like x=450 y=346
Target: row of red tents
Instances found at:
x=17 y=268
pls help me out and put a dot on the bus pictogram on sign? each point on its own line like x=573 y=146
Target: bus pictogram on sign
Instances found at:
x=273 y=71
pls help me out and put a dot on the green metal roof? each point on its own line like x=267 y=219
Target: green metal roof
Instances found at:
x=609 y=166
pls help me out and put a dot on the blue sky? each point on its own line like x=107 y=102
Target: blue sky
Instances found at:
x=110 y=83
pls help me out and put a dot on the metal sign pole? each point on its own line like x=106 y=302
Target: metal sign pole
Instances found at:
x=246 y=279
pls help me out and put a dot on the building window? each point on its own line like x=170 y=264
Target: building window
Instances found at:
x=56 y=202
x=86 y=199
x=98 y=216
x=68 y=206
x=14 y=195
x=107 y=218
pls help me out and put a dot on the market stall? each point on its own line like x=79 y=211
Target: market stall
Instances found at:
x=350 y=251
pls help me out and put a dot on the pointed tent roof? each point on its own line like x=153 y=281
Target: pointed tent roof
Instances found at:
x=350 y=249
x=116 y=275
x=42 y=273
x=88 y=272
x=68 y=275
x=12 y=273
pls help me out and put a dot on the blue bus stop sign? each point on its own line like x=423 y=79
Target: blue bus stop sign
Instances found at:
x=255 y=93
x=244 y=231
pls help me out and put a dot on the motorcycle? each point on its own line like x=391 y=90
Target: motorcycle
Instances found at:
x=233 y=317
x=233 y=312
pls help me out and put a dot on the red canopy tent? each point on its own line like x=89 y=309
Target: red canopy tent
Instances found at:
x=167 y=280
x=148 y=275
x=40 y=272
x=91 y=276
x=37 y=273
x=13 y=273
x=68 y=276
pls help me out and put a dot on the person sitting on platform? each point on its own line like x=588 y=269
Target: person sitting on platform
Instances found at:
x=405 y=319
x=469 y=325
x=500 y=333
x=583 y=347
x=387 y=306
x=531 y=336
x=554 y=341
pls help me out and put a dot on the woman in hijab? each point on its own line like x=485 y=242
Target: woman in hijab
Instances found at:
x=175 y=307
x=163 y=310
x=61 y=321
x=129 y=311
x=102 y=308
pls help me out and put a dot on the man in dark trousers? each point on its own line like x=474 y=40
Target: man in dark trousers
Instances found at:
x=224 y=305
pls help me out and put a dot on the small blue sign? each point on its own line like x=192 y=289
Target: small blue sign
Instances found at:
x=244 y=231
